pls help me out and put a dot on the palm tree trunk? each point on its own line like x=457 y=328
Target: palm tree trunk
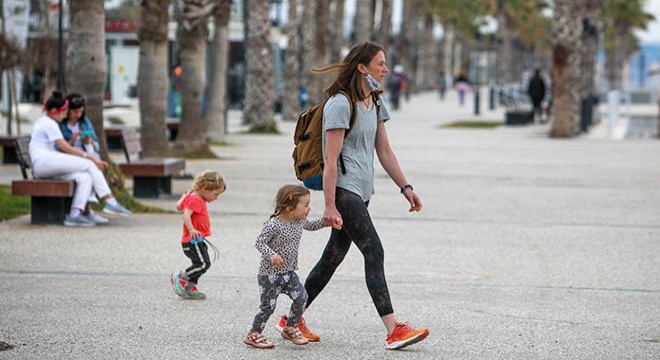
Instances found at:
x=408 y=44
x=615 y=57
x=384 y=33
x=259 y=97
x=291 y=103
x=85 y=59
x=567 y=32
x=86 y=69
x=505 y=58
x=192 y=35
x=361 y=22
x=448 y=42
x=589 y=49
x=428 y=63
x=216 y=103
x=309 y=52
x=153 y=76
x=338 y=41
x=321 y=53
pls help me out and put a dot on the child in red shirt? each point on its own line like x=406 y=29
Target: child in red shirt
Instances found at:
x=207 y=186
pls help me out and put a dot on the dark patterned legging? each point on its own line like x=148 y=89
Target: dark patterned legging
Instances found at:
x=359 y=229
x=270 y=286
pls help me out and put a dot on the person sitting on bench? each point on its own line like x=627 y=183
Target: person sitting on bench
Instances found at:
x=76 y=127
x=69 y=163
x=79 y=132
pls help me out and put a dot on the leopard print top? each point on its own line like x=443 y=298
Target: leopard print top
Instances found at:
x=281 y=238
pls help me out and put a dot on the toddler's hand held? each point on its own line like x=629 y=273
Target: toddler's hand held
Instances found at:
x=338 y=223
x=277 y=260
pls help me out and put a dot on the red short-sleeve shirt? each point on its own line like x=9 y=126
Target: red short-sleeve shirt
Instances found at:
x=199 y=218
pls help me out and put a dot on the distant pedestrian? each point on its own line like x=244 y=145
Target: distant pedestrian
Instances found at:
x=397 y=85
x=278 y=244
x=442 y=84
x=536 y=92
x=462 y=86
x=207 y=186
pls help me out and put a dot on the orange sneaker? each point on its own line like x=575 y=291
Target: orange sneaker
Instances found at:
x=302 y=326
x=403 y=335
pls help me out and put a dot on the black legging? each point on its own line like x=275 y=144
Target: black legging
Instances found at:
x=359 y=229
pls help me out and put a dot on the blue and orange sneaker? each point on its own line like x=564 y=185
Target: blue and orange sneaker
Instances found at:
x=193 y=294
x=178 y=284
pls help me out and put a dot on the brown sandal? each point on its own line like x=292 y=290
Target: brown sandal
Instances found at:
x=257 y=340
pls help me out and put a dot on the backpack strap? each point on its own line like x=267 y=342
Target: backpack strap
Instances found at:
x=351 y=123
x=353 y=113
x=376 y=100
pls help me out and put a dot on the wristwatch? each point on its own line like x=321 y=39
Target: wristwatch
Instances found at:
x=406 y=186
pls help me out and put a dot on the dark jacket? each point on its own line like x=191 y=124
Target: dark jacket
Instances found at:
x=536 y=88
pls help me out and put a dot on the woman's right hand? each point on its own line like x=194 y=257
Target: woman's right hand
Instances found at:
x=332 y=217
x=99 y=163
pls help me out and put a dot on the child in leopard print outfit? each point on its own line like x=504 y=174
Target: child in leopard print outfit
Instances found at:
x=278 y=244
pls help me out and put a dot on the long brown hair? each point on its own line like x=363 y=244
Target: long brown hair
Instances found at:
x=348 y=78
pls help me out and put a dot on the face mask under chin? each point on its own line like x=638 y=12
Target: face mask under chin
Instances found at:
x=371 y=82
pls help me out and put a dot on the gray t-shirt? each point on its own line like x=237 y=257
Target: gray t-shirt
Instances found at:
x=359 y=144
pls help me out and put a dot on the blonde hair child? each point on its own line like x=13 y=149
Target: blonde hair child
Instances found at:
x=278 y=244
x=207 y=186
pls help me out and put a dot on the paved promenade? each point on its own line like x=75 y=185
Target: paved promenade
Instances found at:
x=527 y=248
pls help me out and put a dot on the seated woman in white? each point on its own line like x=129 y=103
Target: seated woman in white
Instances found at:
x=69 y=163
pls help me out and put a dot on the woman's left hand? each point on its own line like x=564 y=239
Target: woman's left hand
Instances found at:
x=413 y=199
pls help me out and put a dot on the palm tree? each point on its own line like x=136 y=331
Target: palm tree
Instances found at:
x=589 y=48
x=505 y=35
x=362 y=21
x=321 y=52
x=192 y=35
x=153 y=75
x=337 y=39
x=428 y=56
x=567 y=35
x=214 y=116
x=458 y=21
x=408 y=44
x=259 y=97
x=384 y=32
x=85 y=63
x=621 y=17
x=290 y=102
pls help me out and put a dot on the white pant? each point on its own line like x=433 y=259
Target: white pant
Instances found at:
x=58 y=165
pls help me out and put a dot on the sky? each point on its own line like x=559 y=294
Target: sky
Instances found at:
x=652 y=33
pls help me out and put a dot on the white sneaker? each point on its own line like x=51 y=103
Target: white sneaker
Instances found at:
x=118 y=209
x=96 y=218
x=79 y=220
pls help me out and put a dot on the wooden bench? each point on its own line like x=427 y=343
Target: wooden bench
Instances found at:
x=50 y=198
x=8 y=149
x=152 y=176
x=113 y=137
